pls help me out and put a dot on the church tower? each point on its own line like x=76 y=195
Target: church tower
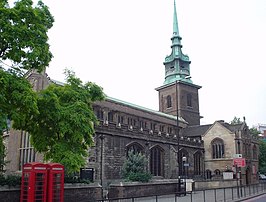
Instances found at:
x=178 y=95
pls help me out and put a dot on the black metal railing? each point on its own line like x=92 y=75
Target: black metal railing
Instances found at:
x=228 y=194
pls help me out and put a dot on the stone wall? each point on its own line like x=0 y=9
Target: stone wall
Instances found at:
x=81 y=193
x=214 y=184
x=136 y=189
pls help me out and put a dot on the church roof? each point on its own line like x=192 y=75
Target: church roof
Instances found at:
x=196 y=131
x=144 y=109
x=199 y=130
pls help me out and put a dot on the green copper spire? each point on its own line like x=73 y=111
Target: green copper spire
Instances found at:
x=177 y=64
x=175 y=27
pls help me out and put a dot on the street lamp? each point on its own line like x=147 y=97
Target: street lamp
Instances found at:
x=184 y=160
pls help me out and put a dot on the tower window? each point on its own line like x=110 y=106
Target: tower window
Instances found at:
x=169 y=101
x=189 y=100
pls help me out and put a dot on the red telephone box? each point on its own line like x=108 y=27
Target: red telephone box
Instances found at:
x=55 y=182
x=34 y=182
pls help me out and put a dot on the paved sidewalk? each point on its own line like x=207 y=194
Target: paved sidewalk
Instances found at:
x=219 y=195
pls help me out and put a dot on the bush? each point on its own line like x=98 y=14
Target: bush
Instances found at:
x=139 y=177
x=10 y=180
x=75 y=179
x=134 y=168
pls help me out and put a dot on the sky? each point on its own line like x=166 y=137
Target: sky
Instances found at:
x=121 y=46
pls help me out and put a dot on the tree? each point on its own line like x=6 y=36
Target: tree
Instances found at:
x=134 y=168
x=236 y=121
x=18 y=103
x=23 y=35
x=23 y=45
x=254 y=131
x=63 y=130
x=262 y=157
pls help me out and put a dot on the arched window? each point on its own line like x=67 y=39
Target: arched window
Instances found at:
x=208 y=174
x=217 y=148
x=135 y=147
x=157 y=161
x=217 y=172
x=197 y=163
x=189 y=100
x=255 y=152
x=169 y=101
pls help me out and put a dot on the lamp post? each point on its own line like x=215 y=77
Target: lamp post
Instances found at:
x=184 y=160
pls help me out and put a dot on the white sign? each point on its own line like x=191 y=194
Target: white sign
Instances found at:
x=228 y=175
x=237 y=156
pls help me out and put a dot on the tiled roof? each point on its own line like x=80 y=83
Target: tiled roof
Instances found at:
x=144 y=109
x=196 y=131
x=232 y=127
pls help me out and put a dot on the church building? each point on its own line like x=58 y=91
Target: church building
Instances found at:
x=169 y=143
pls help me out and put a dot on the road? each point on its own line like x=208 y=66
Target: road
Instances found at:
x=261 y=198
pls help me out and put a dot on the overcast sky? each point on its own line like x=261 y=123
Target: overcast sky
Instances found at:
x=121 y=45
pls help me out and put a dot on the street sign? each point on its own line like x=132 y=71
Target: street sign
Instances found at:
x=186 y=164
x=237 y=155
x=240 y=162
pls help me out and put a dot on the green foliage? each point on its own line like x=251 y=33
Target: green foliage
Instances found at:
x=23 y=35
x=254 y=131
x=2 y=155
x=75 y=179
x=134 y=168
x=18 y=103
x=262 y=157
x=23 y=45
x=236 y=121
x=63 y=129
x=10 y=180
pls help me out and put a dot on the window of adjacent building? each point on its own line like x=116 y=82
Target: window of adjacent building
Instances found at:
x=208 y=174
x=217 y=172
x=168 y=101
x=26 y=150
x=156 y=161
x=217 y=148
x=249 y=150
x=255 y=152
x=189 y=100
x=197 y=163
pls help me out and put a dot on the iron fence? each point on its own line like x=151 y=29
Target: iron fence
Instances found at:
x=228 y=194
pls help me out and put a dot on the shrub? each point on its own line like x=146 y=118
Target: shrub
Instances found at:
x=10 y=180
x=75 y=179
x=134 y=168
